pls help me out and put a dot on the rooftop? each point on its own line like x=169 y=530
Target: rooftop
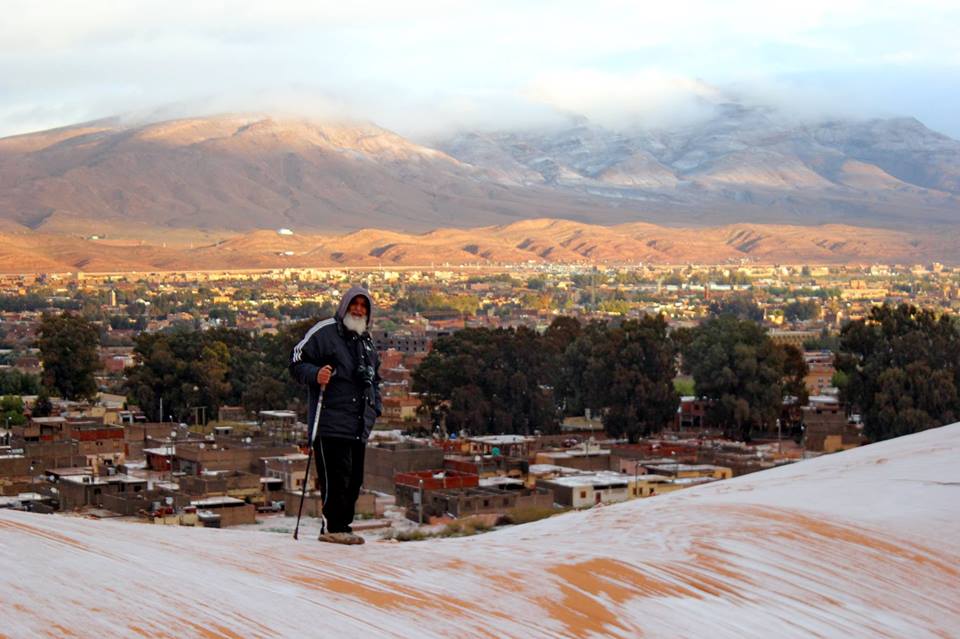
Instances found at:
x=593 y=479
x=217 y=501
x=501 y=440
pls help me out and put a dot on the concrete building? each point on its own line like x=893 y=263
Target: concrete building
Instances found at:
x=384 y=460
x=280 y=425
x=229 y=511
x=820 y=371
x=692 y=414
x=687 y=471
x=144 y=502
x=588 y=459
x=410 y=486
x=480 y=500
x=548 y=471
x=589 y=489
x=223 y=483
x=827 y=428
x=488 y=465
x=398 y=410
x=509 y=445
x=233 y=454
x=649 y=485
x=77 y=491
x=289 y=469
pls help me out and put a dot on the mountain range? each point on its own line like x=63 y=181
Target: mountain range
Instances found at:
x=742 y=165
x=200 y=181
x=239 y=173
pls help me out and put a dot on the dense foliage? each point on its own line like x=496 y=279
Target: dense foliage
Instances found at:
x=735 y=364
x=14 y=382
x=742 y=306
x=901 y=368
x=187 y=369
x=489 y=381
x=516 y=381
x=11 y=411
x=68 y=346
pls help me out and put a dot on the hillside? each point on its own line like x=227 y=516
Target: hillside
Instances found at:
x=538 y=240
x=743 y=164
x=239 y=173
x=864 y=543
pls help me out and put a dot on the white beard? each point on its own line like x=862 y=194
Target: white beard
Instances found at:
x=356 y=324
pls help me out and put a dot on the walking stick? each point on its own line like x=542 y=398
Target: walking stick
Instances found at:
x=306 y=475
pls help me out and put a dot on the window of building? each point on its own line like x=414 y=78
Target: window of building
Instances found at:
x=583 y=494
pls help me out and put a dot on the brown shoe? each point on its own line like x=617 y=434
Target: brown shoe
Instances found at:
x=345 y=538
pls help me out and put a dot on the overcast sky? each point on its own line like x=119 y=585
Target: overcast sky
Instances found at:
x=424 y=68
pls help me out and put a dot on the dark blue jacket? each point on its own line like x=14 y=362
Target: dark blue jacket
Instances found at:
x=350 y=403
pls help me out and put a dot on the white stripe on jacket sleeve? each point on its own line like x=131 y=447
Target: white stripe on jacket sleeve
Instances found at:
x=298 y=349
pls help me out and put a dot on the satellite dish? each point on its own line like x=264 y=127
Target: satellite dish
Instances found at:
x=169 y=501
x=202 y=445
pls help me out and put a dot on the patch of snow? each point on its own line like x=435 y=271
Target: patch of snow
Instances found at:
x=862 y=543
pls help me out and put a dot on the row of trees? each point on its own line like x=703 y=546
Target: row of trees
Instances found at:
x=190 y=369
x=899 y=368
x=13 y=382
x=516 y=381
x=186 y=369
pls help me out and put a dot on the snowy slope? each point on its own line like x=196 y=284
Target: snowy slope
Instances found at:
x=864 y=543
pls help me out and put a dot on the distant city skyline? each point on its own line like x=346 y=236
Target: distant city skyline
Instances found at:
x=428 y=68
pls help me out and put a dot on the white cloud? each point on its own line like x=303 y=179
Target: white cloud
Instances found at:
x=420 y=64
x=648 y=98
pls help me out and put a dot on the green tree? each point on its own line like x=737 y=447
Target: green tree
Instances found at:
x=43 y=406
x=14 y=382
x=736 y=365
x=795 y=371
x=826 y=341
x=635 y=384
x=68 y=349
x=11 y=411
x=740 y=306
x=900 y=367
x=580 y=370
x=265 y=393
x=801 y=311
x=489 y=381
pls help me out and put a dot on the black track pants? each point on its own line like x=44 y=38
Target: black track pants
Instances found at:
x=339 y=464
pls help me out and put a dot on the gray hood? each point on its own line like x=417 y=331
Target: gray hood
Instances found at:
x=348 y=297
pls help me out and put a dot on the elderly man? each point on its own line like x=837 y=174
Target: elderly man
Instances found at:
x=338 y=355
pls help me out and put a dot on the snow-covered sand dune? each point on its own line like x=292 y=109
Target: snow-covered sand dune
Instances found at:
x=864 y=543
